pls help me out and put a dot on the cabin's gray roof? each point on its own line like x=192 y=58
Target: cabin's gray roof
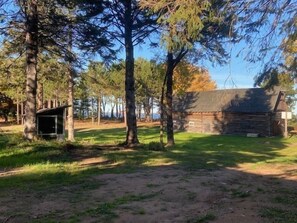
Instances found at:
x=252 y=100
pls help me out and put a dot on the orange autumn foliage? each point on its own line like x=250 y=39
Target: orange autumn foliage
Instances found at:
x=189 y=78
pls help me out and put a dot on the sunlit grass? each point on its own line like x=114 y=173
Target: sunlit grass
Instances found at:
x=54 y=162
x=12 y=128
x=160 y=162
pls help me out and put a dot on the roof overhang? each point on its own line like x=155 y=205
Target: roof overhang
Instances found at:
x=50 y=110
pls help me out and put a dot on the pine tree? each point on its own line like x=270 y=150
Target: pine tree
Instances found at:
x=148 y=84
x=130 y=26
x=45 y=26
x=188 y=25
x=97 y=80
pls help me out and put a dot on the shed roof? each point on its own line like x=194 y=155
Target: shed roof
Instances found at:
x=252 y=100
x=52 y=111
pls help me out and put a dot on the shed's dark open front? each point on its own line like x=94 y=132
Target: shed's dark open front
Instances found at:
x=51 y=122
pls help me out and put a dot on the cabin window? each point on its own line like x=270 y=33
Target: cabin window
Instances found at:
x=191 y=123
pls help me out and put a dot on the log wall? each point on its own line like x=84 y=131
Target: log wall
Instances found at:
x=228 y=123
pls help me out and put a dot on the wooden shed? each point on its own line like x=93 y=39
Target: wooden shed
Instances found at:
x=231 y=111
x=51 y=122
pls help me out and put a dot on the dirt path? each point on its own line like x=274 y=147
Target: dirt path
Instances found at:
x=160 y=194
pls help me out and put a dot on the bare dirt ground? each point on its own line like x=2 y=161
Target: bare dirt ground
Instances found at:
x=160 y=194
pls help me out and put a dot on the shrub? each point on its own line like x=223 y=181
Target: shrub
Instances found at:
x=156 y=146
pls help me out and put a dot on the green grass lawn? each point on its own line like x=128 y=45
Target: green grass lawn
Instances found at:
x=45 y=162
x=47 y=166
x=198 y=150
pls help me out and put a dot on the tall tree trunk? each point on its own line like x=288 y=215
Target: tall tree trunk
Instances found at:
x=93 y=112
x=152 y=106
x=131 y=136
x=117 y=107
x=147 y=109
x=31 y=43
x=69 y=59
x=87 y=111
x=18 y=112
x=70 y=103
x=103 y=102
x=139 y=111
x=112 y=110
x=169 y=91
x=98 y=110
x=22 y=113
x=162 y=111
x=124 y=113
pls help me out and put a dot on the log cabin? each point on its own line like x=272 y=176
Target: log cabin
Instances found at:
x=231 y=111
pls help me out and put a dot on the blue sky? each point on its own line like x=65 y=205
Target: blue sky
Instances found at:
x=237 y=73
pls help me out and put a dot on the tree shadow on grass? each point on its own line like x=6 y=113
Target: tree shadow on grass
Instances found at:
x=115 y=135
x=25 y=154
x=215 y=151
x=192 y=151
x=102 y=136
x=198 y=151
x=204 y=151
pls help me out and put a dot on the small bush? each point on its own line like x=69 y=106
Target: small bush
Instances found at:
x=156 y=146
x=203 y=219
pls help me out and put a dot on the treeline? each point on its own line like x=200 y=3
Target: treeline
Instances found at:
x=99 y=89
